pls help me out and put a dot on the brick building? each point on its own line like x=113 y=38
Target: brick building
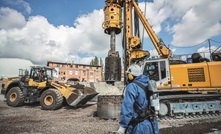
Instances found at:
x=88 y=73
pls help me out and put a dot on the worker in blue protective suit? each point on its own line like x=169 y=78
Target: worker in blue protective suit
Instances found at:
x=134 y=94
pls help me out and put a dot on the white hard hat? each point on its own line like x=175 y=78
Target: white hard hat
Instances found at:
x=135 y=70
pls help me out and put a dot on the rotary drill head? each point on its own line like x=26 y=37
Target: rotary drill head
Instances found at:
x=112 y=25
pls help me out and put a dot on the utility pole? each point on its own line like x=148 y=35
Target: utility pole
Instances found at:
x=209 y=49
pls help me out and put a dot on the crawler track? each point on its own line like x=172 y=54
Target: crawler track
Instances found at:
x=189 y=105
x=189 y=96
x=189 y=121
x=191 y=117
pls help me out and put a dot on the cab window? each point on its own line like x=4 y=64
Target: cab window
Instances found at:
x=151 y=70
x=163 y=69
x=155 y=70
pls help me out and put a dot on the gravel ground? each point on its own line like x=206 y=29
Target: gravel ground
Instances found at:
x=30 y=119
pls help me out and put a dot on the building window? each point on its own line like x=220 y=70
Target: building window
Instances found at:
x=96 y=73
x=57 y=65
x=90 y=67
x=76 y=72
x=84 y=72
x=71 y=66
x=84 y=66
x=70 y=72
x=91 y=74
x=76 y=66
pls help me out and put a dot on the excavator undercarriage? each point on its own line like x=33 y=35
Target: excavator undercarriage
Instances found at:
x=185 y=104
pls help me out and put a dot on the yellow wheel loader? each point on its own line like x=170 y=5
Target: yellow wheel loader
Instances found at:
x=38 y=86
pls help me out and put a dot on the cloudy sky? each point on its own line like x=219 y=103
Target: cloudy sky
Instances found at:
x=71 y=31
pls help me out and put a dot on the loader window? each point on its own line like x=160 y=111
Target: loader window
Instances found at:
x=49 y=74
x=41 y=75
x=35 y=76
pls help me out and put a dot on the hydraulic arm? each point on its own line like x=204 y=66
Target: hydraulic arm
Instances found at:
x=162 y=50
x=133 y=47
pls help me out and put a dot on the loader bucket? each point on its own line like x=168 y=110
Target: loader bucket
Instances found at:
x=81 y=96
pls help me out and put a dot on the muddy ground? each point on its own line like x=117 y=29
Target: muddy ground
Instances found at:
x=30 y=119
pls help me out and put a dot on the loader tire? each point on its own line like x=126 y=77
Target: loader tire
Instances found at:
x=51 y=99
x=15 y=97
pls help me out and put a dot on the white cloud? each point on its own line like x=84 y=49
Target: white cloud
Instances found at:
x=25 y=5
x=205 y=51
x=10 y=18
x=199 y=23
x=189 y=21
x=40 y=41
x=153 y=53
x=90 y=35
x=154 y=14
x=21 y=5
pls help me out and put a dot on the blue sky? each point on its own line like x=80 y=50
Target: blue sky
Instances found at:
x=58 y=12
x=68 y=30
x=63 y=12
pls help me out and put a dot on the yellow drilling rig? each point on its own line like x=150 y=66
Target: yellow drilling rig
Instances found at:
x=184 y=88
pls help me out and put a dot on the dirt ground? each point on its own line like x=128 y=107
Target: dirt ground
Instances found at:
x=30 y=119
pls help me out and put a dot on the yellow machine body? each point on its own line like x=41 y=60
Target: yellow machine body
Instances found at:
x=198 y=76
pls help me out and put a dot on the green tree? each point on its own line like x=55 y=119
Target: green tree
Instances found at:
x=95 y=61
x=92 y=62
x=101 y=62
x=102 y=67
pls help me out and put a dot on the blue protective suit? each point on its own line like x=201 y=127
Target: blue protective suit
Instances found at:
x=133 y=94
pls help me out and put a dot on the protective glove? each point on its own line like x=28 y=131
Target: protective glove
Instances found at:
x=121 y=130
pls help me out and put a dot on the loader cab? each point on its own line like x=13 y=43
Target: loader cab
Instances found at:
x=158 y=70
x=40 y=74
x=23 y=74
